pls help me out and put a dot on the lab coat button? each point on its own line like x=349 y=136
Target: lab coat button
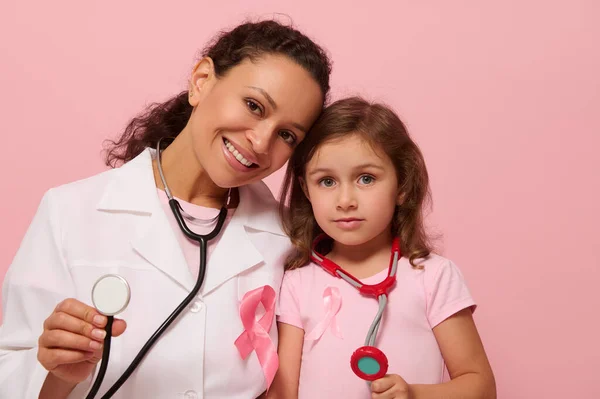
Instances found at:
x=191 y=395
x=196 y=307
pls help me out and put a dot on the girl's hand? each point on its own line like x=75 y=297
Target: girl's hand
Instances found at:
x=392 y=386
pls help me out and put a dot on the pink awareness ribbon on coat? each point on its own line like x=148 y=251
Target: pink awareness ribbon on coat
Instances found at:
x=255 y=336
x=332 y=300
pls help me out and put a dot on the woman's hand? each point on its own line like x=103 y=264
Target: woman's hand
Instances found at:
x=392 y=386
x=72 y=341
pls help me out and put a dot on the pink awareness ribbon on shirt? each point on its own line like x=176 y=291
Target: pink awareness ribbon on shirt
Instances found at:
x=256 y=333
x=332 y=300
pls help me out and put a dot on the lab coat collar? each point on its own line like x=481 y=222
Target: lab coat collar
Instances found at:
x=132 y=189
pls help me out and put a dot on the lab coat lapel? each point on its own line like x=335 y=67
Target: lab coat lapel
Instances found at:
x=158 y=244
x=234 y=252
x=133 y=190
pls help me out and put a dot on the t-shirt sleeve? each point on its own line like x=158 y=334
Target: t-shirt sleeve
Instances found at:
x=447 y=292
x=289 y=303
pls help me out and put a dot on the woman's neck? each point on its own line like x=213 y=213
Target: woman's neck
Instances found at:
x=185 y=176
x=366 y=259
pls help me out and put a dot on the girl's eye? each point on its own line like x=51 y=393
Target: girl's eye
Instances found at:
x=366 y=179
x=288 y=137
x=327 y=182
x=253 y=106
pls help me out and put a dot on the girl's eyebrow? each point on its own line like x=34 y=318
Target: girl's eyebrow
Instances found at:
x=357 y=167
x=369 y=165
x=319 y=170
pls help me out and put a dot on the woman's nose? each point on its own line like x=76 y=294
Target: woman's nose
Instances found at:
x=260 y=139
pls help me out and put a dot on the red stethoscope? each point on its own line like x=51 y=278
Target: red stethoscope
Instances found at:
x=367 y=362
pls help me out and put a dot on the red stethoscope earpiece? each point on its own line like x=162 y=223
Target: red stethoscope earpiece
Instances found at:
x=367 y=362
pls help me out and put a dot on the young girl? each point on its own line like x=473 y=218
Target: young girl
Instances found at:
x=357 y=184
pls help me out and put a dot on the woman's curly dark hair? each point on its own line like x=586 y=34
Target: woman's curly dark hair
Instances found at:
x=250 y=40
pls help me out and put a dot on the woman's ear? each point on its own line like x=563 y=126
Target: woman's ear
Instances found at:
x=203 y=77
x=304 y=188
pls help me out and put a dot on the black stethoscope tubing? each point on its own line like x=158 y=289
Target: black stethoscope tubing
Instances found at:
x=202 y=240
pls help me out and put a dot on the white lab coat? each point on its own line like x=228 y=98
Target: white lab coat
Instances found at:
x=114 y=223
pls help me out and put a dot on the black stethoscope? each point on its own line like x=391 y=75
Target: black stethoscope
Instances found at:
x=367 y=362
x=111 y=292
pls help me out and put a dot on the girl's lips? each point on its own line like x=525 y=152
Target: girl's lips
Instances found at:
x=348 y=223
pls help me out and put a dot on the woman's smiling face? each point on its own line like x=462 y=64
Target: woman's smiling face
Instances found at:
x=246 y=123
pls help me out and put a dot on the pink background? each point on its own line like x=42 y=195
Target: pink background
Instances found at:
x=503 y=97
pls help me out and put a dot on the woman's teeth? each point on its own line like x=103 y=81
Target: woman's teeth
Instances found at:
x=237 y=155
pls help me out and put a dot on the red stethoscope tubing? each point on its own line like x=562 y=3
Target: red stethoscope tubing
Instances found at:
x=380 y=292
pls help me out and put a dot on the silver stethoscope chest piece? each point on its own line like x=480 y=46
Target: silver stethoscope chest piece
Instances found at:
x=111 y=294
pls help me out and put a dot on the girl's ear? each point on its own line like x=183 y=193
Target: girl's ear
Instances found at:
x=304 y=188
x=400 y=198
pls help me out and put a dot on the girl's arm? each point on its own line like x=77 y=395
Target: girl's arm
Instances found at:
x=285 y=384
x=466 y=360
x=467 y=363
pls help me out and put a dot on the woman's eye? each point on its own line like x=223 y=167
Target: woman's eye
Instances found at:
x=327 y=182
x=288 y=137
x=366 y=179
x=253 y=107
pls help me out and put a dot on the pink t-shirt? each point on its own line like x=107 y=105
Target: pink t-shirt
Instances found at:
x=190 y=248
x=420 y=300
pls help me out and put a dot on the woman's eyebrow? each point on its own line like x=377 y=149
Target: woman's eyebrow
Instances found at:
x=265 y=94
x=299 y=127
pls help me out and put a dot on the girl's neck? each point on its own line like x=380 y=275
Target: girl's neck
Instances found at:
x=366 y=259
x=185 y=176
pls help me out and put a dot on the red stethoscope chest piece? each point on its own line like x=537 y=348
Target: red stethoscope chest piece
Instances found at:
x=369 y=363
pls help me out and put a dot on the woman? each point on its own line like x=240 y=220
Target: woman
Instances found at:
x=252 y=98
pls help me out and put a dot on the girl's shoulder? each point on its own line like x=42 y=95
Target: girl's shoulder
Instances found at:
x=432 y=265
x=306 y=280
x=444 y=285
x=307 y=272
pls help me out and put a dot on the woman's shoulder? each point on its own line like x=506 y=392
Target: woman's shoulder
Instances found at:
x=84 y=187
x=259 y=208
x=260 y=195
x=131 y=176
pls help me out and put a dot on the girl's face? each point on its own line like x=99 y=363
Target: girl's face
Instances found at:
x=246 y=123
x=353 y=190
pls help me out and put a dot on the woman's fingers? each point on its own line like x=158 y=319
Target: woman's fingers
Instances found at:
x=76 y=317
x=68 y=340
x=81 y=311
x=73 y=338
x=118 y=327
x=66 y=322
